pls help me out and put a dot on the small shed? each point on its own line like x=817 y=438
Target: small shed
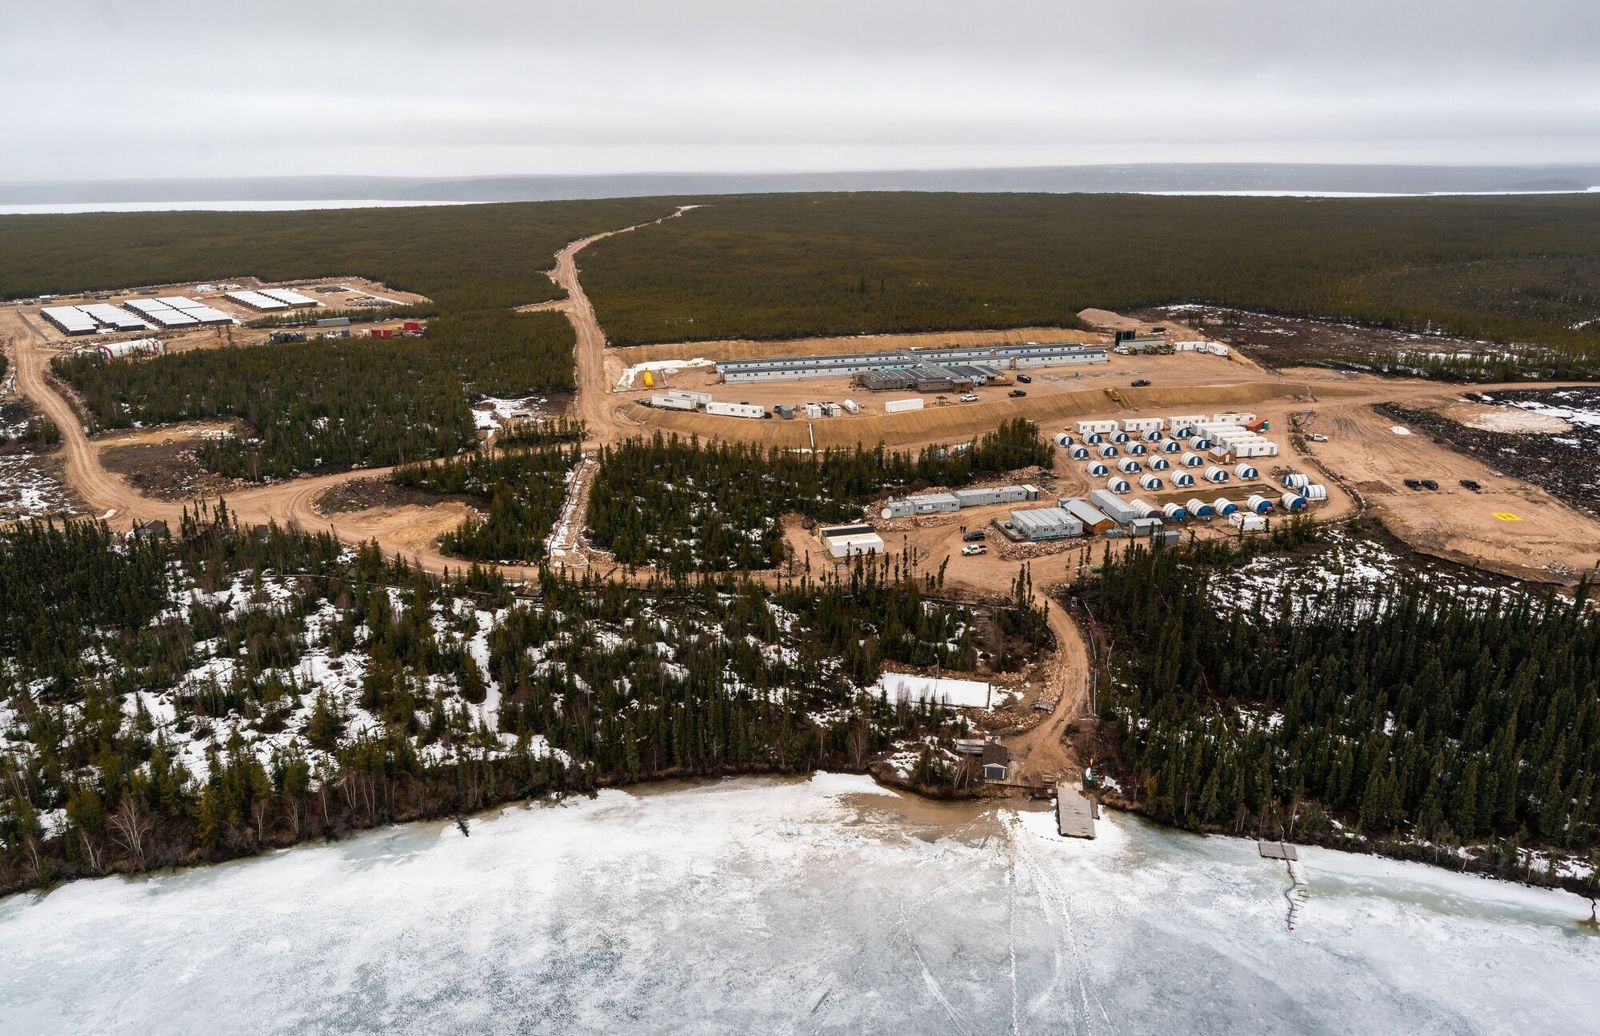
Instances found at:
x=150 y=530
x=996 y=761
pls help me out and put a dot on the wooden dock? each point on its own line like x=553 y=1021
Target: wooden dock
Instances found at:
x=1075 y=812
x=1277 y=850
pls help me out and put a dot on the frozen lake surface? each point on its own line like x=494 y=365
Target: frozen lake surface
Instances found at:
x=821 y=905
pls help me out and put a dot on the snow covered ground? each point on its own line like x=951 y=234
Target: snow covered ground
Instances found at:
x=26 y=491
x=969 y=694
x=490 y=413
x=822 y=905
x=657 y=366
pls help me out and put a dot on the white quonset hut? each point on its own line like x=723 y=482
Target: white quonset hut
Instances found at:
x=1041 y=524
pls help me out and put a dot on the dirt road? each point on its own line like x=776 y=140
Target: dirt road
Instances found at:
x=594 y=404
x=1041 y=754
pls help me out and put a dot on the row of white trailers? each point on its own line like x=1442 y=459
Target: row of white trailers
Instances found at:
x=1176 y=423
x=685 y=400
x=268 y=299
x=101 y=317
x=949 y=503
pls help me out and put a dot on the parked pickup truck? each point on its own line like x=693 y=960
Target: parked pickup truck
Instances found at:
x=1016 y=393
x=969 y=398
x=976 y=548
x=976 y=536
x=1141 y=383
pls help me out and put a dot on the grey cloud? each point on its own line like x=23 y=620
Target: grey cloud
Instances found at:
x=107 y=88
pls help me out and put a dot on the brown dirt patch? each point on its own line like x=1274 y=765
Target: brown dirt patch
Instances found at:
x=361 y=494
x=167 y=469
x=1280 y=342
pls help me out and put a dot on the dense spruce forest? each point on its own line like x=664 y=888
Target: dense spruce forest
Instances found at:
x=328 y=405
x=1515 y=269
x=1403 y=709
x=204 y=694
x=686 y=506
x=521 y=485
x=323 y=406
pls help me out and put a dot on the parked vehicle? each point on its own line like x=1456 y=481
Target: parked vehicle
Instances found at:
x=976 y=548
x=969 y=398
x=1016 y=393
x=1026 y=379
x=1429 y=483
x=1472 y=484
x=976 y=536
x=1412 y=483
x=1141 y=383
x=1317 y=437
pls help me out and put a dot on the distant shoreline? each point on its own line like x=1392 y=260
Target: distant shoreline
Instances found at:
x=304 y=205
x=1223 y=179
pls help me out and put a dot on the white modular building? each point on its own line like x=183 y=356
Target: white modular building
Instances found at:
x=70 y=319
x=114 y=318
x=718 y=409
x=1042 y=524
x=901 y=406
x=289 y=297
x=257 y=300
x=845 y=541
x=1119 y=510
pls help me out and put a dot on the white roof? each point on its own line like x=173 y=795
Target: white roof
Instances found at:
x=256 y=300
x=289 y=296
x=172 y=318
x=181 y=302
x=70 y=317
x=147 y=305
x=207 y=315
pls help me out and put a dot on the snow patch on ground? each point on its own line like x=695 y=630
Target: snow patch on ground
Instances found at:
x=658 y=367
x=941 y=690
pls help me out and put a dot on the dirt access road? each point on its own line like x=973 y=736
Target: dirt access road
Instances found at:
x=1041 y=753
x=594 y=405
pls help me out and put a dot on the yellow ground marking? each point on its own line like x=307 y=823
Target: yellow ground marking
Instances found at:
x=1507 y=516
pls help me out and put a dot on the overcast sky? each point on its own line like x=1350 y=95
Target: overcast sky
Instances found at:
x=97 y=89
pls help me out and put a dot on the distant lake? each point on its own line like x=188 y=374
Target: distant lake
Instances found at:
x=57 y=208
